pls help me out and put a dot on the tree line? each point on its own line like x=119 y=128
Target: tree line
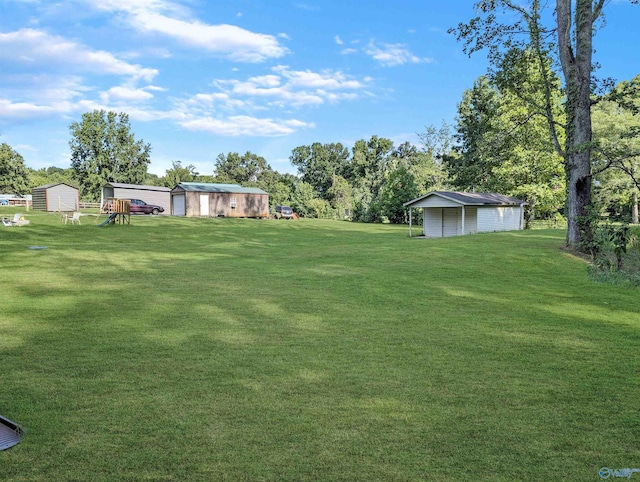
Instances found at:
x=495 y=145
x=538 y=125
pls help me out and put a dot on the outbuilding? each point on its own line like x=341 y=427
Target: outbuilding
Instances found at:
x=158 y=195
x=56 y=197
x=219 y=200
x=450 y=213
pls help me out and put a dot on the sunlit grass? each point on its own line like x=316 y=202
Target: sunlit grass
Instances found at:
x=212 y=349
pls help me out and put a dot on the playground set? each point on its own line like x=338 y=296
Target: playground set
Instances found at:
x=117 y=211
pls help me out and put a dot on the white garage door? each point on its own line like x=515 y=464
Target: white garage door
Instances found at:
x=451 y=221
x=179 y=205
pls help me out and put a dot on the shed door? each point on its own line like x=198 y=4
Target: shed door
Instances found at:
x=178 y=205
x=451 y=221
x=204 y=205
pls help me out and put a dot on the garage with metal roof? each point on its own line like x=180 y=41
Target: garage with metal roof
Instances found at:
x=451 y=213
x=218 y=200
x=158 y=195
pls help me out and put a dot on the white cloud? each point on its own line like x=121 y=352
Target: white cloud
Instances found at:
x=390 y=55
x=24 y=110
x=230 y=109
x=41 y=95
x=172 y=20
x=293 y=88
x=229 y=41
x=338 y=40
x=326 y=79
x=306 y=6
x=37 y=48
x=245 y=126
x=348 y=51
x=127 y=94
x=217 y=101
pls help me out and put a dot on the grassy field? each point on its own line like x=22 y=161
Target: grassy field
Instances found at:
x=219 y=349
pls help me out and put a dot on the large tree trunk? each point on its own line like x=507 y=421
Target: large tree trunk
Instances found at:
x=576 y=67
x=634 y=206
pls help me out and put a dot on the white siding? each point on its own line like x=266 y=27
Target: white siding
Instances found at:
x=435 y=202
x=451 y=222
x=432 y=222
x=62 y=198
x=470 y=220
x=498 y=219
x=445 y=222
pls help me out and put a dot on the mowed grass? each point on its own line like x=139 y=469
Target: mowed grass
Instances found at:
x=219 y=349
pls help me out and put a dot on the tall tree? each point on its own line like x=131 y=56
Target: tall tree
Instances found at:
x=319 y=164
x=303 y=198
x=366 y=172
x=399 y=187
x=502 y=144
x=340 y=196
x=571 y=40
x=476 y=131
x=179 y=173
x=103 y=149
x=369 y=162
x=246 y=169
x=14 y=175
x=425 y=165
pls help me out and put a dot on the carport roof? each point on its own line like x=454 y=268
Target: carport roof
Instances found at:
x=472 y=198
x=121 y=185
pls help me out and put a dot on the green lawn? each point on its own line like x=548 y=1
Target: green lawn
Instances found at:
x=220 y=349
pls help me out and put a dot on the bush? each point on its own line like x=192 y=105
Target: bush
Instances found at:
x=616 y=255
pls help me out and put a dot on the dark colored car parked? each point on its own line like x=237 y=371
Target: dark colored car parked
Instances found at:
x=139 y=206
x=283 y=212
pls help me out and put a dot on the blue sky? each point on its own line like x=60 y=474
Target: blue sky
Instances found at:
x=199 y=78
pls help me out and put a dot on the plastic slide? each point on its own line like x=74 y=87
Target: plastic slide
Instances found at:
x=110 y=219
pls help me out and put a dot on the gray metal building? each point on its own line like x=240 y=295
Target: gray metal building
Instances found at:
x=158 y=195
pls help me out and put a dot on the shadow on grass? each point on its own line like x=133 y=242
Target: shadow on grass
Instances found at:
x=205 y=349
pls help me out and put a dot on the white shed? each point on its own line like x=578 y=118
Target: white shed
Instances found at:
x=56 y=197
x=450 y=213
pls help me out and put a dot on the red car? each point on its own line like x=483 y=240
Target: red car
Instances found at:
x=139 y=206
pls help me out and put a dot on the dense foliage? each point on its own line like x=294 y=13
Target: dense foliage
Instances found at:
x=505 y=27
x=502 y=146
x=103 y=149
x=14 y=175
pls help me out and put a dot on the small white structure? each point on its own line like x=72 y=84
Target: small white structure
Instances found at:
x=56 y=197
x=450 y=213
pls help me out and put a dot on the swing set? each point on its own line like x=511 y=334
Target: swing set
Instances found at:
x=117 y=211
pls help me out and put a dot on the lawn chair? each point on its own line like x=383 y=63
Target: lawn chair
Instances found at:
x=75 y=218
x=7 y=222
x=10 y=433
x=18 y=220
